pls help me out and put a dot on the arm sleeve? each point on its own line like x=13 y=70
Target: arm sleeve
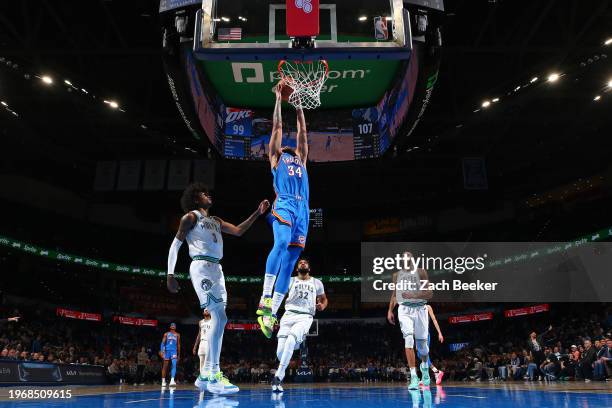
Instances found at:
x=172 y=255
x=319 y=287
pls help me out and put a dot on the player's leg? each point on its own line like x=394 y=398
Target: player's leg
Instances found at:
x=295 y=337
x=283 y=333
x=281 y=229
x=421 y=334
x=172 y=372
x=407 y=328
x=283 y=280
x=164 y=372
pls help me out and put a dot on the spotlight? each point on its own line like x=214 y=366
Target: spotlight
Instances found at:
x=534 y=79
x=554 y=77
x=84 y=90
x=47 y=79
x=495 y=100
x=608 y=41
x=610 y=83
x=4 y=103
x=67 y=82
x=114 y=104
x=485 y=104
x=363 y=18
x=597 y=97
x=225 y=19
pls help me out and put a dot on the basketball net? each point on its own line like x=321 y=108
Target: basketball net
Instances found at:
x=306 y=78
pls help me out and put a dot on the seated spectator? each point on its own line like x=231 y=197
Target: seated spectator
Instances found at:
x=602 y=366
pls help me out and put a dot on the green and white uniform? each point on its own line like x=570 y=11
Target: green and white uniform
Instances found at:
x=300 y=308
x=412 y=313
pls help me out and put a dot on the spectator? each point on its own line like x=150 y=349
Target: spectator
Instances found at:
x=585 y=364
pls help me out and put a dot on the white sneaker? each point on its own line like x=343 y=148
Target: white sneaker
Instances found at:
x=164 y=382
x=219 y=384
x=277 y=385
x=201 y=382
x=172 y=383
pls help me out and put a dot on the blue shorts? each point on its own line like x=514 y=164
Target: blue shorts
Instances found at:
x=294 y=213
x=170 y=355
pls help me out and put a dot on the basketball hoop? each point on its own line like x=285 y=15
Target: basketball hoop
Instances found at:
x=306 y=78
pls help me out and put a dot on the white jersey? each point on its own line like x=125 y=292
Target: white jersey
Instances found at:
x=205 y=239
x=404 y=293
x=204 y=328
x=303 y=294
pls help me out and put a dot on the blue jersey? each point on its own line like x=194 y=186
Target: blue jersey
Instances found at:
x=290 y=177
x=171 y=342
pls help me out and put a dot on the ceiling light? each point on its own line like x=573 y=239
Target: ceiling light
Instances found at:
x=67 y=82
x=533 y=79
x=363 y=18
x=4 y=103
x=608 y=41
x=495 y=100
x=597 y=97
x=225 y=19
x=485 y=104
x=47 y=79
x=113 y=104
x=388 y=18
x=554 y=77
x=610 y=83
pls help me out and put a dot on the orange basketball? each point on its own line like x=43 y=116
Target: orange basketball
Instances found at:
x=286 y=92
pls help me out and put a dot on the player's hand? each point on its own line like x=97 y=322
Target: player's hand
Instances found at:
x=14 y=319
x=172 y=284
x=320 y=307
x=263 y=207
x=161 y=355
x=278 y=89
x=391 y=317
x=440 y=337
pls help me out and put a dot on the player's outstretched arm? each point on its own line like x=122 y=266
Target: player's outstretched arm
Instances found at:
x=238 y=230
x=276 y=137
x=187 y=223
x=302 y=136
x=435 y=322
x=392 y=303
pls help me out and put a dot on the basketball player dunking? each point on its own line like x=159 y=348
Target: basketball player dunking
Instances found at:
x=306 y=297
x=290 y=214
x=413 y=317
x=170 y=351
x=204 y=238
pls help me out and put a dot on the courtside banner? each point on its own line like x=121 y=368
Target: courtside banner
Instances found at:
x=576 y=271
x=476 y=317
x=42 y=373
x=135 y=321
x=75 y=314
x=527 y=310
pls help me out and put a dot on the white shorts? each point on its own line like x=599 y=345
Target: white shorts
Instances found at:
x=203 y=348
x=296 y=325
x=209 y=283
x=414 y=321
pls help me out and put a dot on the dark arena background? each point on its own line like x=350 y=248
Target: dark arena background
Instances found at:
x=465 y=122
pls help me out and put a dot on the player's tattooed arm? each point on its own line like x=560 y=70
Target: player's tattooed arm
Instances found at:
x=392 y=303
x=302 y=136
x=276 y=137
x=238 y=230
x=322 y=302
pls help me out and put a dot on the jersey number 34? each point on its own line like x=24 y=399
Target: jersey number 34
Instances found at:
x=295 y=170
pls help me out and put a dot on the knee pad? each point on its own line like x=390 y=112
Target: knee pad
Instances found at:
x=409 y=340
x=422 y=347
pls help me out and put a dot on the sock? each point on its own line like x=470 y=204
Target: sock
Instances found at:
x=434 y=369
x=286 y=357
x=268 y=285
x=277 y=299
x=425 y=365
x=413 y=372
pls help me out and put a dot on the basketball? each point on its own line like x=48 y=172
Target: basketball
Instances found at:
x=286 y=91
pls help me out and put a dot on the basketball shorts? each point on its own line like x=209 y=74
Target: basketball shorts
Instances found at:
x=209 y=284
x=296 y=325
x=294 y=213
x=414 y=321
x=170 y=355
x=203 y=348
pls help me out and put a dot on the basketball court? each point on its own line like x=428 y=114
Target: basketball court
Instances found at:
x=340 y=395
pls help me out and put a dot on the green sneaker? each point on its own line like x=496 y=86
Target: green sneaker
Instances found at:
x=266 y=324
x=219 y=384
x=425 y=374
x=265 y=307
x=414 y=382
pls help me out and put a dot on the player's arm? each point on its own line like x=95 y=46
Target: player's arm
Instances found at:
x=276 y=137
x=178 y=345
x=321 y=297
x=302 y=136
x=392 y=303
x=435 y=322
x=196 y=343
x=162 y=346
x=187 y=223
x=238 y=230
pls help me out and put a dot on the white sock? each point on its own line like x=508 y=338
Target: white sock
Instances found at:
x=413 y=372
x=277 y=299
x=268 y=285
x=424 y=364
x=286 y=357
x=434 y=369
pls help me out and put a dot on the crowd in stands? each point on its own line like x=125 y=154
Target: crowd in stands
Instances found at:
x=576 y=347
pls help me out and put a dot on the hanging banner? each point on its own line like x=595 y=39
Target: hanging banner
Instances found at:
x=75 y=314
x=135 y=321
x=476 y=317
x=527 y=310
